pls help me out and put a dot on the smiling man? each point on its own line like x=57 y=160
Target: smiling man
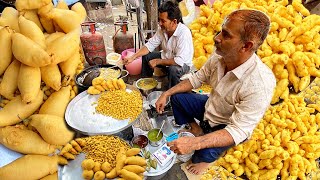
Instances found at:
x=176 y=44
x=242 y=88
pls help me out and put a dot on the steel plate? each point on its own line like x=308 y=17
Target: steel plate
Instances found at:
x=82 y=117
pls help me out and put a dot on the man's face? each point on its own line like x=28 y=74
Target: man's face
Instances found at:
x=166 y=24
x=228 y=42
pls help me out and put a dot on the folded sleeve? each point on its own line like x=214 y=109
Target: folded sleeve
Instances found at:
x=154 y=41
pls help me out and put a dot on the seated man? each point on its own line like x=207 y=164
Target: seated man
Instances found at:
x=176 y=43
x=242 y=89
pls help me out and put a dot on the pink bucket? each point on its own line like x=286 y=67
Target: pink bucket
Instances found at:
x=134 y=68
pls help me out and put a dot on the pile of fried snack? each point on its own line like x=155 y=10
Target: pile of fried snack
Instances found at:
x=40 y=55
x=106 y=157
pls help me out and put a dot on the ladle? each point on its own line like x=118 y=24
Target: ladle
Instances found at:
x=161 y=128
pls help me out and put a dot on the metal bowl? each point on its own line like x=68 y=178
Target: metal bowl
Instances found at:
x=146 y=91
x=155 y=142
x=154 y=96
x=140 y=140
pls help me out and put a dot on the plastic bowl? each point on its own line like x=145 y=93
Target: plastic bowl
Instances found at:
x=185 y=157
x=134 y=68
x=113 y=58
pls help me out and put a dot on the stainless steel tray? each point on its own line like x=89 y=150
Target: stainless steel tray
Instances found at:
x=73 y=170
x=82 y=117
x=7 y=155
x=160 y=169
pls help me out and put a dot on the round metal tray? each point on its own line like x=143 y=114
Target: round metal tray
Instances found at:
x=81 y=116
x=160 y=169
x=73 y=170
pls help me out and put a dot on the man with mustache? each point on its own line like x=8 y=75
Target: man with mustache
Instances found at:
x=242 y=89
x=176 y=43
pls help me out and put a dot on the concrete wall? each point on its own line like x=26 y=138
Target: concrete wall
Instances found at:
x=116 y=2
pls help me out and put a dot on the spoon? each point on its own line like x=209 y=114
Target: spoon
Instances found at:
x=161 y=128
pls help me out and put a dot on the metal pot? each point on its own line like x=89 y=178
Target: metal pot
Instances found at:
x=153 y=97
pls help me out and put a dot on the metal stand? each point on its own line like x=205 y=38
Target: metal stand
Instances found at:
x=142 y=33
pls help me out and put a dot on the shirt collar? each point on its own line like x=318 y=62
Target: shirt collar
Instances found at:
x=177 y=29
x=240 y=70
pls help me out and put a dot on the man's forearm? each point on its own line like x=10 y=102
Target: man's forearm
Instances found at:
x=166 y=62
x=220 y=138
x=143 y=51
x=183 y=86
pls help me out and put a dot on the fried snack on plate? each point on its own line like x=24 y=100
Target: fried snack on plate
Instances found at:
x=29 y=167
x=24 y=141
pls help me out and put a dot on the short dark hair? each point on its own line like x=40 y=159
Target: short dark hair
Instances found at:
x=172 y=9
x=256 y=25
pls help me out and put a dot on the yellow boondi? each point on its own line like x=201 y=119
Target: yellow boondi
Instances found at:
x=103 y=148
x=120 y=104
x=205 y=88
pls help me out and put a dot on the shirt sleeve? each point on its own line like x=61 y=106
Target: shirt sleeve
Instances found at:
x=184 y=49
x=247 y=114
x=204 y=73
x=154 y=41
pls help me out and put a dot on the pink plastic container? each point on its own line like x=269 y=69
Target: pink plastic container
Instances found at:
x=134 y=68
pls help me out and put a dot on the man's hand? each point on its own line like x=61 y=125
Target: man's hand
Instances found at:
x=128 y=60
x=153 y=63
x=161 y=103
x=183 y=145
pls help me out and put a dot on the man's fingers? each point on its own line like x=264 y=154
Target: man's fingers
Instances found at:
x=160 y=108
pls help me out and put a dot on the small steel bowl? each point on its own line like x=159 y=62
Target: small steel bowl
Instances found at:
x=143 y=90
x=152 y=135
x=140 y=141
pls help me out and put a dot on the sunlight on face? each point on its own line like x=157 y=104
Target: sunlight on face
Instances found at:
x=228 y=41
x=166 y=24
